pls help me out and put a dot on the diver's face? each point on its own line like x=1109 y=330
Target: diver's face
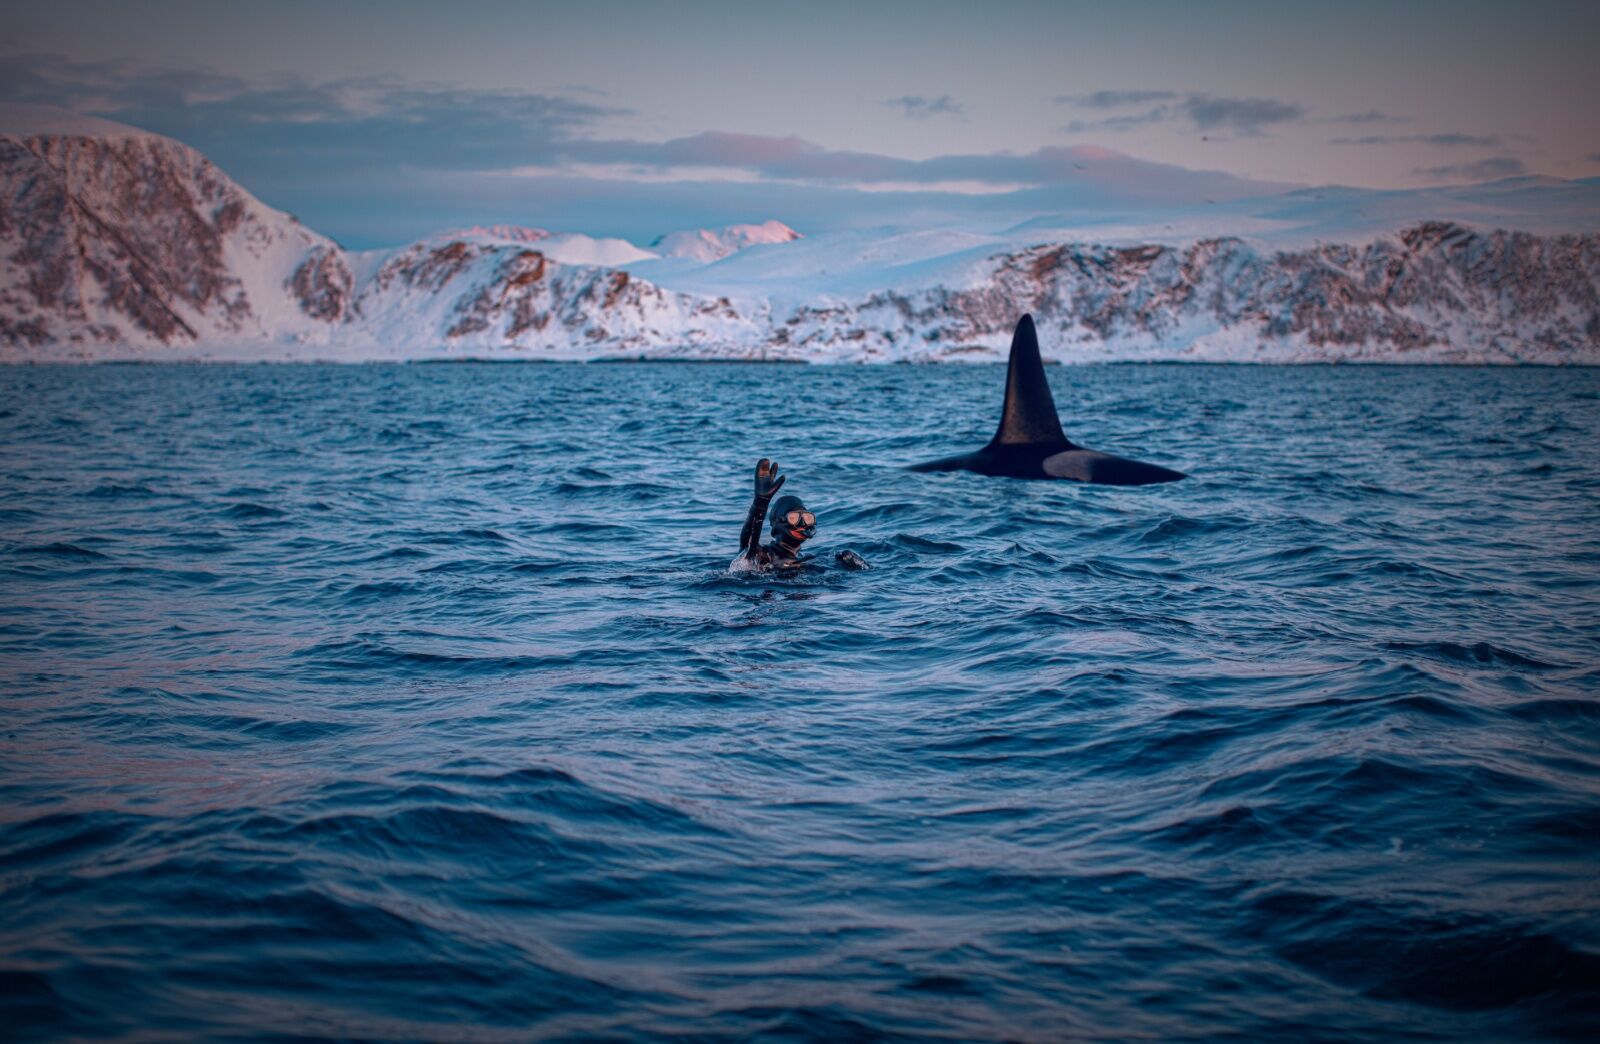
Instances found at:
x=799 y=526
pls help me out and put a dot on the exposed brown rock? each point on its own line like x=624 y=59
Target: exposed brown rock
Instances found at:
x=323 y=284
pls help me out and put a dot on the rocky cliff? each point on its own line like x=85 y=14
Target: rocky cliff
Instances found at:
x=116 y=243
x=1433 y=292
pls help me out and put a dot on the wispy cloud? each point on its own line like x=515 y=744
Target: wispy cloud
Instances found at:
x=349 y=124
x=1113 y=99
x=916 y=107
x=382 y=158
x=1371 y=116
x=1451 y=140
x=1120 y=123
x=347 y=128
x=1482 y=170
x=796 y=160
x=1247 y=117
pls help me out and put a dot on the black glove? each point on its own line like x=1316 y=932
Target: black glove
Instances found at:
x=850 y=560
x=767 y=480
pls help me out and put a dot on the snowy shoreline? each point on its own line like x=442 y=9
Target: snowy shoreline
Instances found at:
x=687 y=361
x=124 y=244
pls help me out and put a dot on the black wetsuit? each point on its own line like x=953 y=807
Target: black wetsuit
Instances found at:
x=765 y=555
x=780 y=553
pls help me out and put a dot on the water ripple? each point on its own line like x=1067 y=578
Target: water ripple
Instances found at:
x=419 y=703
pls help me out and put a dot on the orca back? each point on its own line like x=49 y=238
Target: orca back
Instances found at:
x=1029 y=444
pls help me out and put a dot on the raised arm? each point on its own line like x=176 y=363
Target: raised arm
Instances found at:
x=767 y=483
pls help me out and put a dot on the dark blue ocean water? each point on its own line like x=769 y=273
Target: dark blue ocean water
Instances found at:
x=417 y=702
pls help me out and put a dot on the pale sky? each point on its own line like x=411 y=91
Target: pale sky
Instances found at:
x=379 y=122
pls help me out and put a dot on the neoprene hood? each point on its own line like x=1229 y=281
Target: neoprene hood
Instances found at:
x=780 y=527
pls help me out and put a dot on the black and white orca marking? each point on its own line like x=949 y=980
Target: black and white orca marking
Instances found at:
x=1030 y=444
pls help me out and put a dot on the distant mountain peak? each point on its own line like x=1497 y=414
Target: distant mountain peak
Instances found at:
x=714 y=244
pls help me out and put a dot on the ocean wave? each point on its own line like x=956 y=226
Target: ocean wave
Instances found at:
x=410 y=703
x=1478 y=654
x=249 y=511
x=1462 y=961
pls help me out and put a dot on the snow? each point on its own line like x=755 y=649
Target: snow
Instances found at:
x=1243 y=280
x=574 y=248
x=713 y=244
x=833 y=265
x=568 y=248
x=21 y=120
x=496 y=234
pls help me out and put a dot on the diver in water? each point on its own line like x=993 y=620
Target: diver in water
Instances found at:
x=792 y=525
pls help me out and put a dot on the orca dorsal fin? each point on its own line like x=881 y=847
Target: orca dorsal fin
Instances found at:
x=1029 y=416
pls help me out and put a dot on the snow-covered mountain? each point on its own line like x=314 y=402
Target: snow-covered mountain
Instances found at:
x=482 y=298
x=567 y=248
x=115 y=243
x=1433 y=292
x=714 y=244
x=113 y=237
